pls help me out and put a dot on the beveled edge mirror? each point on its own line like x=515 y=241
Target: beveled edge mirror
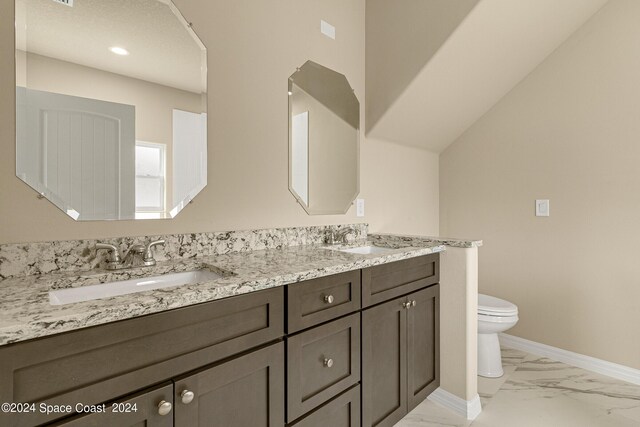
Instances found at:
x=91 y=69
x=324 y=140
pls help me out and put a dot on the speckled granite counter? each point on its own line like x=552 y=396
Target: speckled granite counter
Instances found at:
x=396 y=239
x=25 y=311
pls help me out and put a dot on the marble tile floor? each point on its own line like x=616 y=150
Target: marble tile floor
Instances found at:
x=539 y=392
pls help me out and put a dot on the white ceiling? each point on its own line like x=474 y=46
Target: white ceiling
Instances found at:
x=162 y=48
x=493 y=49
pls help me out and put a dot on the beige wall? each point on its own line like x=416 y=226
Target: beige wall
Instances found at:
x=402 y=36
x=253 y=47
x=400 y=187
x=154 y=103
x=570 y=133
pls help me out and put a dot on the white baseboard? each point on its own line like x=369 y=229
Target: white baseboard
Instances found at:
x=589 y=363
x=469 y=409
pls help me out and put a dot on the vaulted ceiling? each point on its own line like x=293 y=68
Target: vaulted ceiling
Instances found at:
x=434 y=67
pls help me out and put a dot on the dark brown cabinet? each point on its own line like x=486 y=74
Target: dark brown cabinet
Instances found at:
x=423 y=345
x=384 y=364
x=246 y=391
x=322 y=362
x=343 y=411
x=229 y=362
x=320 y=300
x=151 y=408
x=399 y=356
x=386 y=281
x=103 y=363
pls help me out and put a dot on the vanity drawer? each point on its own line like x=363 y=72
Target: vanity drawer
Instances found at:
x=384 y=282
x=343 y=411
x=320 y=300
x=322 y=362
x=101 y=363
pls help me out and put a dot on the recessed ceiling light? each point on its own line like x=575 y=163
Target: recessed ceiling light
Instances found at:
x=119 y=50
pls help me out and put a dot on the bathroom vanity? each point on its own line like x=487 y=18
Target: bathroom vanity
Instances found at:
x=358 y=347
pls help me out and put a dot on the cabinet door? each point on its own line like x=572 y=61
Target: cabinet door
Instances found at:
x=422 y=345
x=384 y=364
x=140 y=409
x=246 y=391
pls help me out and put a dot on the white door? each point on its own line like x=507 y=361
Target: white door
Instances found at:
x=189 y=157
x=81 y=155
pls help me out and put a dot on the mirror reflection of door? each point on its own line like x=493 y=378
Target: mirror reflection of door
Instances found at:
x=300 y=155
x=109 y=77
x=79 y=153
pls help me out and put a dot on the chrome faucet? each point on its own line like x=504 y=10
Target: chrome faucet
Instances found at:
x=116 y=262
x=341 y=235
x=329 y=236
x=338 y=236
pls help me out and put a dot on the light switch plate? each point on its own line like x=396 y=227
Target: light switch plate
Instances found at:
x=542 y=207
x=359 y=207
x=327 y=29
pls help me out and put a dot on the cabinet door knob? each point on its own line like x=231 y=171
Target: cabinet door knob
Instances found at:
x=164 y=407
x=406 y=305
x=328 y=363
x=413 y=303
x=328 y=299
x=187 y=396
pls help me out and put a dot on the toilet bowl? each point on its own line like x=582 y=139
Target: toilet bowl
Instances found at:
x=494 y=316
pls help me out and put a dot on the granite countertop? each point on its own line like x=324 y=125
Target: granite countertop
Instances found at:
x=25 y=311
x=398 y=239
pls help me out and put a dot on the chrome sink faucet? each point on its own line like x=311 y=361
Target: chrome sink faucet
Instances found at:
x=115 y=261
x=339 y=236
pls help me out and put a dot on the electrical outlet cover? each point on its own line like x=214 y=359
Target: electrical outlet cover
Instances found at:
x=542 y=207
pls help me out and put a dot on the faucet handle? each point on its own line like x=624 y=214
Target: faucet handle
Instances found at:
x=114 y=253
x=329 y=236
x=148 y=255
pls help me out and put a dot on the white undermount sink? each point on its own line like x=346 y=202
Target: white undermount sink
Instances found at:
x=366 y=250
x=124 y=287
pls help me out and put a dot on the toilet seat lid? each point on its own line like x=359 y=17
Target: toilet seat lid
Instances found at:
x=493 y=306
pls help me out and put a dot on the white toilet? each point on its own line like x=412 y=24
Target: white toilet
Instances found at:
x=494 y=315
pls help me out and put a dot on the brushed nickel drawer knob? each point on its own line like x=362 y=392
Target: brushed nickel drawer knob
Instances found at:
x=328 y=299
x=164 y=407
x=413 y=303
x=328 y=363
x=406 y=305
x=187 y=396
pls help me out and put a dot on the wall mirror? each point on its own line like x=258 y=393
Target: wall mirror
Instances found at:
x=111 y=107
x=324 y=138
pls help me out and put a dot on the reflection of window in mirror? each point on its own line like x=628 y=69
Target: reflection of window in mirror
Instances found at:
x=150 y=177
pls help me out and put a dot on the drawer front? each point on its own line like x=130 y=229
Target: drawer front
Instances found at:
x=322 y=362
x=384 y=282
x=101 y=363
x=320 y=300
x=343 y=411
x=142 y=409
